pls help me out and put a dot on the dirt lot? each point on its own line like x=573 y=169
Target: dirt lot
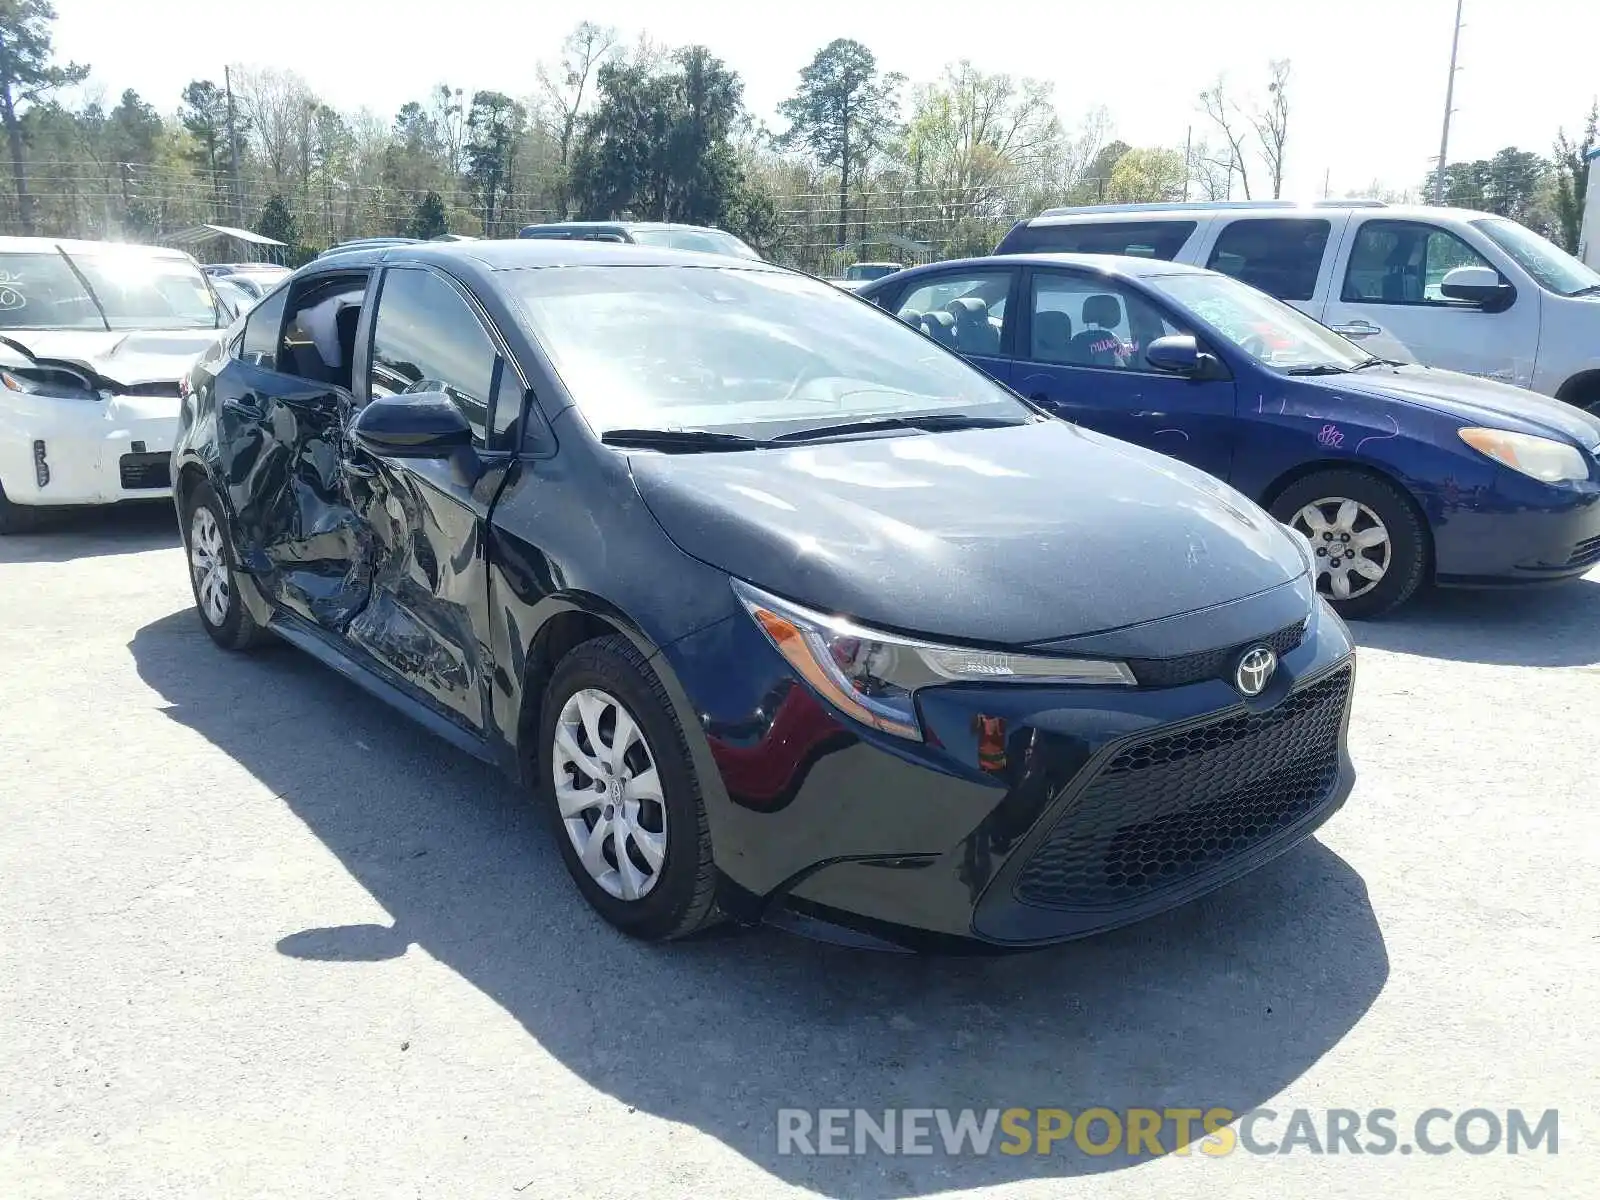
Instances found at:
x=261 y=937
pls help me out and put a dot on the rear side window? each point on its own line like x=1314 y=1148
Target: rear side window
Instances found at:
x=1279 y=255
x=1141 y=239
x=260 y=342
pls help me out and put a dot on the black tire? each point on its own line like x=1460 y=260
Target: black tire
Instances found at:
x=237 y=629
x=680 y=901
x=1406 y=561
x=17 y=518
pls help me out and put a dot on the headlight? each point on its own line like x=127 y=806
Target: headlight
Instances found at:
x=1540 y=458
x=872 y=676
x=49 y=381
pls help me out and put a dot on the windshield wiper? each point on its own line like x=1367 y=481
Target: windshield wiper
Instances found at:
x=680 y=441
x=1375 y=361
x=84 y=280
x=1586 y=291
x=1318 y=369
x=929 y=422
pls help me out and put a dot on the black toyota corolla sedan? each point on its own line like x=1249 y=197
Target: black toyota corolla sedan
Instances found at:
x=778 y=609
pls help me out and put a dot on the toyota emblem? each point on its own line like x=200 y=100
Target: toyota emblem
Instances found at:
x=1255 y=669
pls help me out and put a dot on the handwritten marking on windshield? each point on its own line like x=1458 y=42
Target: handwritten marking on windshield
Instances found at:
x=11 y=294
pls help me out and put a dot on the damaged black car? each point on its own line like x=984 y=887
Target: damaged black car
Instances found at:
x=778 y=610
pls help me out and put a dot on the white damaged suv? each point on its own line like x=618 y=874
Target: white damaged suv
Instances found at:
x=94 y=338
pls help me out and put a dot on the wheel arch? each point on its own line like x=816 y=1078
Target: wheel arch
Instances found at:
x=1582 y=390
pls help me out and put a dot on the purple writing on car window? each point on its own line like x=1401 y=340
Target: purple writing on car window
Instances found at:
x=1331 y=437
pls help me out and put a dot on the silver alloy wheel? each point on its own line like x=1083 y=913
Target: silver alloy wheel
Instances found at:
x=208 y=561
x=1350 y=543
x=609 y=794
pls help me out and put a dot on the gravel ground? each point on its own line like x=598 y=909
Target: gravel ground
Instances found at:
x=261 y=937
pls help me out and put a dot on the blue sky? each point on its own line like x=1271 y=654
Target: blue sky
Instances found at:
x=1368 y=84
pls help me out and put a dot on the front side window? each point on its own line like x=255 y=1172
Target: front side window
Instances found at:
x=1082 y=321
x=1140 y=239
x=731 y=349
x=1274 y=333
x=1280 y=255
x=1404 y=262
x=1551 y=266
x=427 y=339
x=966 y=312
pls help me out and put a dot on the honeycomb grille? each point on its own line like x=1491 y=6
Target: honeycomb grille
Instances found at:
x=1209 y=664
x=1170 y=809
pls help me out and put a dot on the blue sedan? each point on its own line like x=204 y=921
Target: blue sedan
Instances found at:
x=1398 y=475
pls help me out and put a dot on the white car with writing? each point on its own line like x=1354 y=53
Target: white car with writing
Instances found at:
x=94 y=338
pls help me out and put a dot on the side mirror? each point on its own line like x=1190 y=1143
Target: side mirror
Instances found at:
x=412 y=425
x=1477 y=285
x=1176 y=354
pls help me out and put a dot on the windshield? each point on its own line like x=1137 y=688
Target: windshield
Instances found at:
x=757 y=353
x=41 y=290
x=705 y=241
x=1269 y=330
x=1551 y=266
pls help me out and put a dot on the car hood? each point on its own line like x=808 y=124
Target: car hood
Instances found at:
x=1474 y=401
x=119 y=358
x=999 y=536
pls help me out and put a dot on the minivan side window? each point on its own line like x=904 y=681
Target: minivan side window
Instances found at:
x=1279 y=255
x=1141 y=239
x=427 y=338
x=259 y=345
x=1404 y=262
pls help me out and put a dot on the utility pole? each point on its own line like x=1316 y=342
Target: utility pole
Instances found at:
x=1449 y=104
x=1327 y=182
x=233 y=150
x=1188 y=160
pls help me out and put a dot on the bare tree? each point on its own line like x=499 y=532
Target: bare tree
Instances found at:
x=1230 y=122
x=1272 y=124
x=564 y=89
x=449 y=113
x=1210 y=174
x=278 y=108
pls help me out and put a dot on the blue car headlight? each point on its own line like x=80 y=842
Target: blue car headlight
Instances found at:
x=872 y=675
x=1544 y=459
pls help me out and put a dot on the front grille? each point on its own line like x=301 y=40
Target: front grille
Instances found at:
x=1586 y=553
x=140 y=471
x=1169 y=809
x=1209 y=664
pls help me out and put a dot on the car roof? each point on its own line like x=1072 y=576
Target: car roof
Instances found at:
x=1095 y=213
x=21 y=245
x=625 y=225
x=509 y=254
x=1100 y=264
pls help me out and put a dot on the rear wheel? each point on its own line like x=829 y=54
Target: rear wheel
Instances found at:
x=1369 y=543
x=213 y=574
x=621 y=792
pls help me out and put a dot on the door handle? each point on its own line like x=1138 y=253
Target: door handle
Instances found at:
x=1357 y=329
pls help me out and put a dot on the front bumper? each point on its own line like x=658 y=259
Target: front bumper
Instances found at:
x=1519 y=532
x=68 y=451
x=1030 y=815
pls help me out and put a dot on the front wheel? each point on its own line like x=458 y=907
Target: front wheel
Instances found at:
x=16 y=518
x=620 y=789
x=1369 y=542
x=213 y=574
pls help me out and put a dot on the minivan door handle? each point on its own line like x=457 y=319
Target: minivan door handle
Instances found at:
x=1357 y=329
